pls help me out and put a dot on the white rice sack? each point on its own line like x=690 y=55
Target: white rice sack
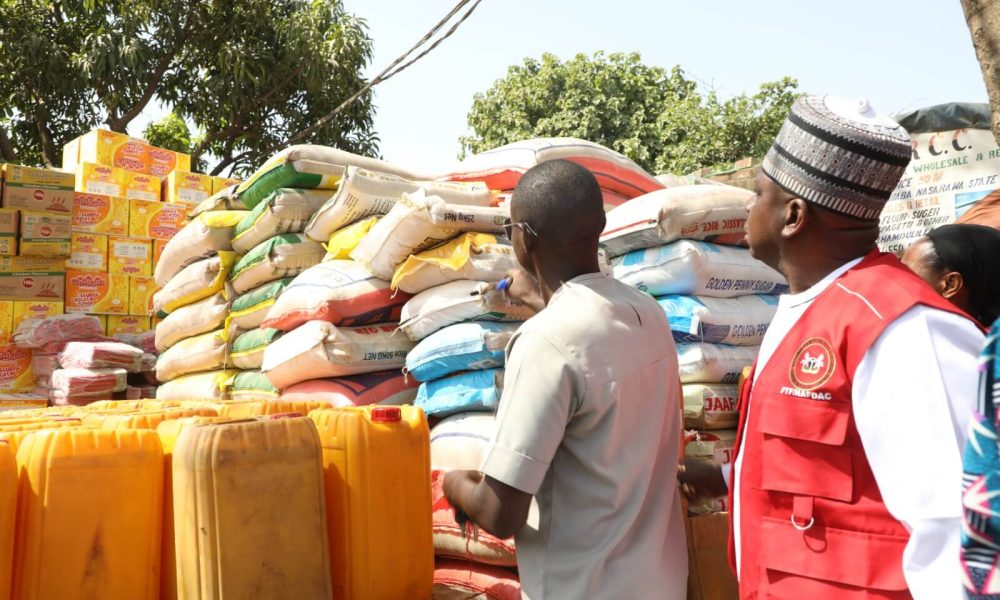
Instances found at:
x=248 y=310
x=191 y=320
x=719 y=444
x=205 y=352
x=311 y=167
x=710 y=406
x=416 y=223
x=205 y=235
x=365 y=193
x=711 y=213
x=282 y=211
x=209 y=386
x=477 y=256
x=713 y=363
x=457 y=302
x=697 y=269
x=222 y=200
x=738 y=321
x=318 y=349
x=284 y=255
x=195 y=282
x=248 y=348
x=460 y=442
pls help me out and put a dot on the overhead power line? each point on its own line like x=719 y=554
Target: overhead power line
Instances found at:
x=397 y=66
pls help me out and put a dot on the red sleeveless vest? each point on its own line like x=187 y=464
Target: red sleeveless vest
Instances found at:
x=813 y=523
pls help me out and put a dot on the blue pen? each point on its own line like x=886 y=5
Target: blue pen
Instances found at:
x=503 y=284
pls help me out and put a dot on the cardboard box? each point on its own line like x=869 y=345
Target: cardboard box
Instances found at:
x=105 y=147
x=156 y=220
x=31 y=278
x=45 y=234
x=88 y=252
x=35 y=310
x=182 y=187
x=106 y=215
x=104 y=322
x=162 y=162
x=22 y=401
x=158 y=246
x=139 y=186
x=130 y=256
x=127 y=324
x=15 y=369
x=7 y=325
x=29 y=188
x=221 y=183
x=92 y=178
x=141 y=290
x=709 y=577
x=10 y=221
x=96 y=293
x=71 y=155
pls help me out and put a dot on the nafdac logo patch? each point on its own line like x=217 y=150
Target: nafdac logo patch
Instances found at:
x=813 y=364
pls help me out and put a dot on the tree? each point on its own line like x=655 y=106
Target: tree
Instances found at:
x=658 y=118
x=247 y=73
x=983 y=17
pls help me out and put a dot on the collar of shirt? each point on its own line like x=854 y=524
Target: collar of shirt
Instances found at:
x=793 y=300
x=578 y=279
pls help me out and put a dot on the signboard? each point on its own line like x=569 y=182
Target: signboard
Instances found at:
x=950 y=171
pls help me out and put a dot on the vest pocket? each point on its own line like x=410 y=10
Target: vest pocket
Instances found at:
x=804 y=451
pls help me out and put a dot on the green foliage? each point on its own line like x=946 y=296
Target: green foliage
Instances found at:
x=658 y=118
x=172 y=132
x=247 y=73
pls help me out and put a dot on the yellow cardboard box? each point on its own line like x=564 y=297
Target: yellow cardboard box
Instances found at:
x=30 y=188
x=10 y=220
x=156 y=220
x=31 y=278
x=127 y=324
x=15 y=369
x=158 y=246
x=71 y=155
x=88 y=252
x=221 y=183
x=141 y=290
x=45 y=234
x=182 y=187
x=7 y=325
x=96 y=293
x=111 y=149
x=139 y=186
x=95 y=213
x=130 y=256
x=92 y=178
x=35 y=310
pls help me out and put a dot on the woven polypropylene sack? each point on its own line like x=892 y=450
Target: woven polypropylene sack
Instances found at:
x=282 y=211
x=205 y=352
x=224 y=199
x=477 y=256
x=697 y=269
x=209 y=386
x=282 y=256
x=457 y=302
x=365 y=193
x=450 y=542
x=188 y=321
x=712 y=213
x=342 y=292
x=710 y=406
x=343 y=241
x=713 y=363
x=465 y=580
x=738 y=321
x=382 y=387
x=318 y=349
x=206 y=234
x=461 y=441
x=195 y=282
x=248 y=348
x=460 y=347
x=252 y=386
x=465 y=392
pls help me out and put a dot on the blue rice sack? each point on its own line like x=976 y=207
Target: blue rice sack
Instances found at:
x=472 y=391
x=461 y=347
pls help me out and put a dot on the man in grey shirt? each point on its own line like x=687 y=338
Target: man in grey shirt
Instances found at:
x=589 y=424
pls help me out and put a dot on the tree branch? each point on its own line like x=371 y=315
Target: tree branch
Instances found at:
x=120 y=124
x=229 y=160
x=48 y=149
x=6 y=146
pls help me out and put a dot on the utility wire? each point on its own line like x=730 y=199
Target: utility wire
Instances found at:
x=396 y=67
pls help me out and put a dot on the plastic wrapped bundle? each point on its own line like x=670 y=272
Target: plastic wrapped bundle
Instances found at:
x=100 y=355
x=77 y=382
x=37 y=333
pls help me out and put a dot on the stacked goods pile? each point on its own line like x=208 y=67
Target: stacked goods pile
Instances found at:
x=681 y=245
x=501 y=168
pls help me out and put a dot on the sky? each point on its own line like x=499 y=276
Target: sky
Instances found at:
x=900 y=54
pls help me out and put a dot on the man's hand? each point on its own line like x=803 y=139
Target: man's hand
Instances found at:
x=523 y=289
x=494 y=506
x=701 y=478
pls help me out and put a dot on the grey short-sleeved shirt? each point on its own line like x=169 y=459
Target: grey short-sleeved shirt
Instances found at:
x=589 y=423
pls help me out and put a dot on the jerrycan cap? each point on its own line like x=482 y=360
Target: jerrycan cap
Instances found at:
x=387 y=414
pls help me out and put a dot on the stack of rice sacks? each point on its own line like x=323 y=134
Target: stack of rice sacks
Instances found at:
x=683 y=245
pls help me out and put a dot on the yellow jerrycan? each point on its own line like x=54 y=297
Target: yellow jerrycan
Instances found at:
x=168 y=432
x=376 y=462
x=151 y=420
x=15 y=437
x=280 y=407
x=88 y=515
x=249 y=515
x=8 y=502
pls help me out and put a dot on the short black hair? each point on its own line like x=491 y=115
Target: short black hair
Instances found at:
x=974 y=252
x=561 y=201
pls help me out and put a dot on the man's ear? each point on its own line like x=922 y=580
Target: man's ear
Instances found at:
x=796 y=217
x=951 y=284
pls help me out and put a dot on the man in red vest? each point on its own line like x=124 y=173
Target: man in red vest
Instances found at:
x=847 y=478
